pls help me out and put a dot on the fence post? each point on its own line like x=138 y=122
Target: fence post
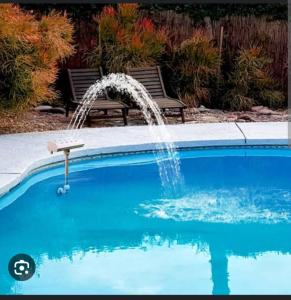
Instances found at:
x=220 y=55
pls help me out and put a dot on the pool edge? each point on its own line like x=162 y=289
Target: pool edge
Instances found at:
x=245 y=134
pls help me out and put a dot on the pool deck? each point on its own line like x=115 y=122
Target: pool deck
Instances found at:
x=21 y=153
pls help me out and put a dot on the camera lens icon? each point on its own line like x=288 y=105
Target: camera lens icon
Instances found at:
x=21 y=267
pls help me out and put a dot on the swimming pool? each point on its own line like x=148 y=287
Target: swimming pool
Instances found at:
x=228 y=230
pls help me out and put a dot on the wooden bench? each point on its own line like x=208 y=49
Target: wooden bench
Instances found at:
x=80 y=81
x=152 y=80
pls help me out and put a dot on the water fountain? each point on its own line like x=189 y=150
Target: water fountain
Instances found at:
x=166 y=154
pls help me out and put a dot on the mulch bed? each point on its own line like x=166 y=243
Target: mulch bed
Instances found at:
x=41 y=121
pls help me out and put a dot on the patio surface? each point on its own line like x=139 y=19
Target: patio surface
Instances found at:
x=21 y=153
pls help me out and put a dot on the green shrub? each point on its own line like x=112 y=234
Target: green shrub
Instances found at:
x=30 y=50
x=250 y=82
x=272 y=98
x=126 y=39
x=196 y=64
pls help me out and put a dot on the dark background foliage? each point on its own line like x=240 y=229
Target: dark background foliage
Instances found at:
x=86 y=32
x=195 y=11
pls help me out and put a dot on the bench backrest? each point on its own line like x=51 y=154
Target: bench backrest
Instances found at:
x=151 y=78
x=81 y=80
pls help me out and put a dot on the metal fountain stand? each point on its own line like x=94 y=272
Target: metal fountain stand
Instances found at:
x=65 y=145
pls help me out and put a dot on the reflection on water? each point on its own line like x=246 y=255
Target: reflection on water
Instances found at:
x=130 y=271
x=157 y=265
x=106 y=237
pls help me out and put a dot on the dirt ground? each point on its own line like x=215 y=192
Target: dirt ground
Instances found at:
x=43 y=121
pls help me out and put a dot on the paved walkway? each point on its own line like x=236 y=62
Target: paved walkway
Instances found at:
x=21 y=153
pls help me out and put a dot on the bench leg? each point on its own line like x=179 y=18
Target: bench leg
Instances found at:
x=67 y=108
x=124 y=116
x=88 y=120
x=182 y=115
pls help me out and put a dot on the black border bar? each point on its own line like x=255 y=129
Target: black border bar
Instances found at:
x=147 y=1
x=129 y=297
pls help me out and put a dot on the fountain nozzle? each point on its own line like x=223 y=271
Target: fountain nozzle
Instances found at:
x=65 y=146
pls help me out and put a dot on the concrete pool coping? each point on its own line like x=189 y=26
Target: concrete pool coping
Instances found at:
x=22 y=153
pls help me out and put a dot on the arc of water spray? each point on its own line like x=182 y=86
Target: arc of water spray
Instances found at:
x=169 y=166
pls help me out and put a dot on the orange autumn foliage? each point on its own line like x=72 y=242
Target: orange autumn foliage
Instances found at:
x=30 y=50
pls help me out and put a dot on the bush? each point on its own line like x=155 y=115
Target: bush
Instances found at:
x=126 y=40
x=250 y=82
x=196 y=64
x=30 y=50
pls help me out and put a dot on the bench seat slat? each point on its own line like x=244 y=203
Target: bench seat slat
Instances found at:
x=107 y=104
x=168 y=103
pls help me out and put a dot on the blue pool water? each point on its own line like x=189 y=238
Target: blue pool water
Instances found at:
x=228 y=231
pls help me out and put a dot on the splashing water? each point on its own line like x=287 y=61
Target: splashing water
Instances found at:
x=221 y=206
x=166 y=154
